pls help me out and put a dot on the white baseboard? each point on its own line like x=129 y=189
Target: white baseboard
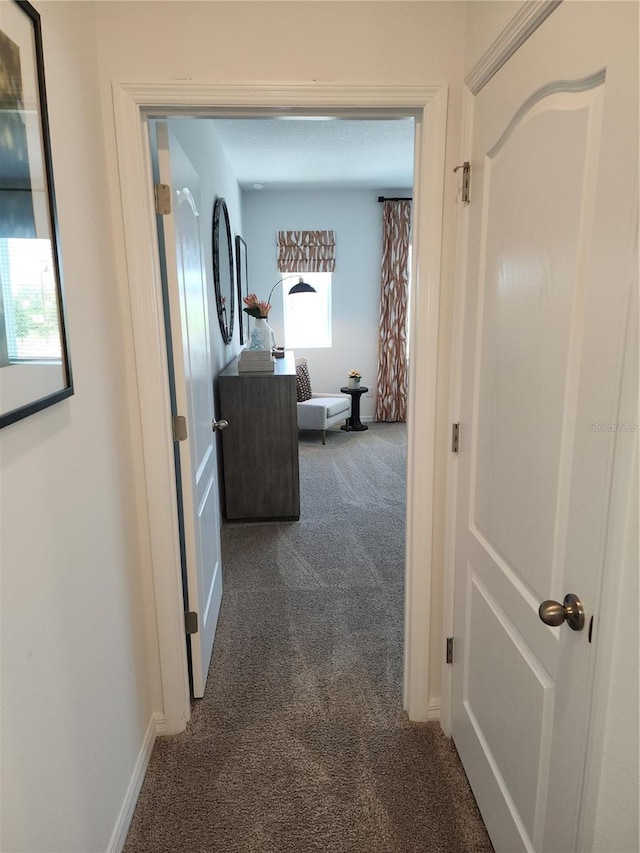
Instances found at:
x=433 y=711
x=119 y=836
x=370 y=419
x=161 y=724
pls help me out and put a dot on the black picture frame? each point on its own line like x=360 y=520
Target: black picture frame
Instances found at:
x=35 y=365
x=242 y=277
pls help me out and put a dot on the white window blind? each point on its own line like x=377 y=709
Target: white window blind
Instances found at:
x=29 y=300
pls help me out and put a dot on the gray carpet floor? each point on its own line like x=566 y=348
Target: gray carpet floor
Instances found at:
x=300 y=743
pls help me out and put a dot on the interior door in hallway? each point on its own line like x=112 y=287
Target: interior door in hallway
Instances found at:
x=550 y=267
x=197 y=480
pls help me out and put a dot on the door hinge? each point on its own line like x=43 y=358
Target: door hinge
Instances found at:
x=455 y=438
x=191 y=622
x=162 y=193
x=449 y=649
x=466 y=180
x=179 y=428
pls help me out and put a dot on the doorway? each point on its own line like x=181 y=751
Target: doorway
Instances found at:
x=134 y=105
x=284 y=174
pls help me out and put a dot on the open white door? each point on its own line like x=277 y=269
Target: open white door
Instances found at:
x=193 y=377
x=550 y=268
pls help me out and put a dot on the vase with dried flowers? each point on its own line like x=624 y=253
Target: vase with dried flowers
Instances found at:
x=262 y=337
x=355 y=378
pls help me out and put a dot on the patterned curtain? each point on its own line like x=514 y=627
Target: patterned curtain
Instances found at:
x=391 y=399
x=306 y=251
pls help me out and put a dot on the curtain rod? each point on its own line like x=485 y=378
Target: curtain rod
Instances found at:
x=400 y=198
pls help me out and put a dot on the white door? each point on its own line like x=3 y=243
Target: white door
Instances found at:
x=549 y=273
x=193 y=371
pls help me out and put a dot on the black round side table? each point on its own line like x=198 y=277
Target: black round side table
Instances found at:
x=353 y=423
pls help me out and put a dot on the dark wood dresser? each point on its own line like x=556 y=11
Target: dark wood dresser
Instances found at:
x=260 y=445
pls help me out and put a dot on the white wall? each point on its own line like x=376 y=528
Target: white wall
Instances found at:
x=356 y=218
x=202 y=146
x=485 y=20
x=79 y=670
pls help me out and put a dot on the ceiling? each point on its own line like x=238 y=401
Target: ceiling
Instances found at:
x=305 y=152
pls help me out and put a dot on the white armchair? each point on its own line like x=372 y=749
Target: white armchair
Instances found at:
x=322 y=410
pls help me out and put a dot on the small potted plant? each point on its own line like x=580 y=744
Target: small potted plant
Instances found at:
x=354 y=378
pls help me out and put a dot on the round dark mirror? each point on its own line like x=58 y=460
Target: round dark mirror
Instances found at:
x=223 y=278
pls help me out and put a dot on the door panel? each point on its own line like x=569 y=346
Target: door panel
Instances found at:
x=550 y=263
x=493 y=637
x=192 y=365
x=531 y=295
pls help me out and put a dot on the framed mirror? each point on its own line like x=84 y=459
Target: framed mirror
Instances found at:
x=35 y=370
x=223 y=277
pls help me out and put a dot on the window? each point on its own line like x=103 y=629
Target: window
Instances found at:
x=307 y=316
x=31 y=330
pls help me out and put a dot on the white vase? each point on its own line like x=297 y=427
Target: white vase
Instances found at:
x=262 y=336
x=353 y=383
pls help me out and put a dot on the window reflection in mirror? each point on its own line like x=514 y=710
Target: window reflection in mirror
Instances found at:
x=29 y=314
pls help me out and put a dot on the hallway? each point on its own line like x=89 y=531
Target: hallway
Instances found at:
x=300 y=743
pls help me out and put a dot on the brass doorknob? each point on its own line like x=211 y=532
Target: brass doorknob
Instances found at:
x=570 y=611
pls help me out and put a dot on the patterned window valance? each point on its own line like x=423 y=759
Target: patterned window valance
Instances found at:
x=306 y=251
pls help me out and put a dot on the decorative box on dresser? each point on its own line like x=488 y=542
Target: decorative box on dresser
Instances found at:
x=260 y=445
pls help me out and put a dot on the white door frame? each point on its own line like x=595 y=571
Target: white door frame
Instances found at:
x=132 y=104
